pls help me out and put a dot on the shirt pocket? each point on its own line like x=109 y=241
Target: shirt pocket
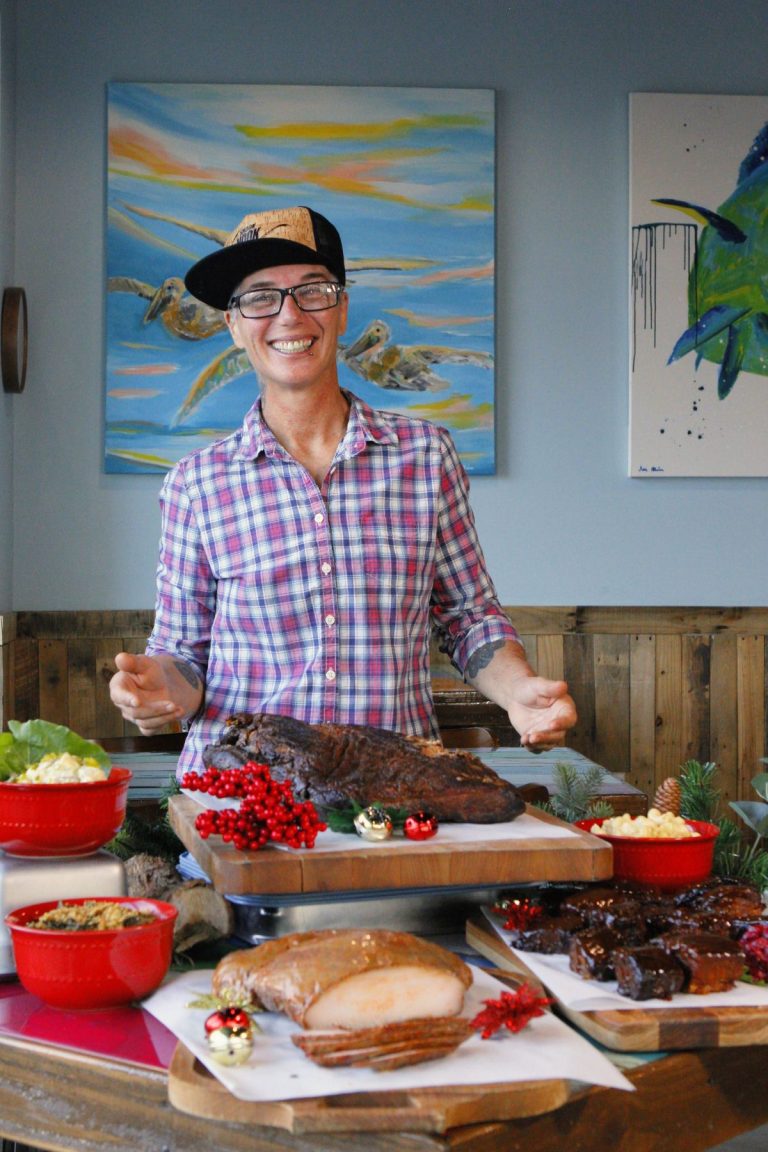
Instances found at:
x=395 y=562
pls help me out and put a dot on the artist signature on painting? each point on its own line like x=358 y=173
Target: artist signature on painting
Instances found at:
x=653 y=468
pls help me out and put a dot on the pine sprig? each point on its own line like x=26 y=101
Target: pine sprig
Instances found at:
x=737 y=856
x=700 y=798
x=576 y=793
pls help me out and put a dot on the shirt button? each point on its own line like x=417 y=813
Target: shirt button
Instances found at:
x=325 y=568
x=330 y=674
x=330 y=621
x=319 y=517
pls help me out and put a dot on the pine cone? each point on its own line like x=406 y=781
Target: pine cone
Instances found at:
x=668 y=796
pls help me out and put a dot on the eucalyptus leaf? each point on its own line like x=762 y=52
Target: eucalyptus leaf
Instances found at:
x=760 y=784
x=754 y=813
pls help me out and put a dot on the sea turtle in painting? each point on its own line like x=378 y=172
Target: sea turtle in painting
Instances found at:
x=404 y=367
x=728 y=283
x=391 y=366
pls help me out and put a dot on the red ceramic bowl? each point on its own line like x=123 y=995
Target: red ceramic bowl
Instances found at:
x=92 y=969
x=659 y=862
x=62 y=819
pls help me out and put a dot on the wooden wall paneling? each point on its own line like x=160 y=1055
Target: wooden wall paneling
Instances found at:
x=750 y=688
x=58 y=624
x=669 y=731
x=578 y=660
x=671 y=620
x=24 y=687
x=550 y=657
x=695 y=698
x=543 y=620
x=653 y=686
x=611 y=674
x=642 y=713
x=723 y=715
x=54 y=681
x=7 y=636
x=108 y=721
x=82 y=686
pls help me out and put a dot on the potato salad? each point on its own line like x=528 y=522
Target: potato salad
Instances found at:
x=63 y=768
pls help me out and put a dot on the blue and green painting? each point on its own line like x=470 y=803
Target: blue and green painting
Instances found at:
x=728 y=280
x=406 y=174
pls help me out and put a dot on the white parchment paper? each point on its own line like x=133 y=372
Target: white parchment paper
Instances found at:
x=592 y=995
x=525 y=827
x=547 y=1049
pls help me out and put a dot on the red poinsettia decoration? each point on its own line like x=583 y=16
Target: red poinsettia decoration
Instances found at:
x=518 y=914
x=513 y=1010
x=754 y=945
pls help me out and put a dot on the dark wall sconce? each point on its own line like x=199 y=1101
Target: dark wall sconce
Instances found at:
x=13 y=339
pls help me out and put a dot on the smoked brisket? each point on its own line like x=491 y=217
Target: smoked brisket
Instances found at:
x=336 y=764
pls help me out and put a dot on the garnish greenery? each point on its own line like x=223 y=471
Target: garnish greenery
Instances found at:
x=575 y=795
x=739 y=855
x=153 y=835
x=27 y=743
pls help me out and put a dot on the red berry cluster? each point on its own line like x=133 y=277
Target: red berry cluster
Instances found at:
x=268 y=809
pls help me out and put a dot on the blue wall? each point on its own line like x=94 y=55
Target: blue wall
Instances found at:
x=561 y=521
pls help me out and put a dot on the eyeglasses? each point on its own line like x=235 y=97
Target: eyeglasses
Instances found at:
x=316 y=296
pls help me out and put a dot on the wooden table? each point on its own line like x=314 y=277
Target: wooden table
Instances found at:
x=54 y=1099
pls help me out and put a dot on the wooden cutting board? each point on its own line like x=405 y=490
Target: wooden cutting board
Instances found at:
x=637 y=1029
x=192 y=1089
x=407 y=865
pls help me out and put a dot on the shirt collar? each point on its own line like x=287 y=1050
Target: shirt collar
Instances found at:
x=365 y=425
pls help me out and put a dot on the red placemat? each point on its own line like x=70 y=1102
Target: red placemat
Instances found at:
x=129 y=1034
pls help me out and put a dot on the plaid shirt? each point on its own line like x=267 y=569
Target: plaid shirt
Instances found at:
x=317 y=603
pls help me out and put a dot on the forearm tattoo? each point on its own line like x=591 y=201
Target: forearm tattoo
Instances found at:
x=187 y=673
x=482 y=658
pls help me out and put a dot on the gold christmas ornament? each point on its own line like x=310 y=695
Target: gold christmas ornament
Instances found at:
x=231 y=1044
x=373 y=824
x=668 y=796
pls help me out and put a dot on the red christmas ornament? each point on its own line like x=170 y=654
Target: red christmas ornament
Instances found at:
x=513 y=1010
x=231 y=1017
x=420 y=826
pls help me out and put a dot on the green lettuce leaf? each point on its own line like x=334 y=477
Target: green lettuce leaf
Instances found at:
x=27 y=743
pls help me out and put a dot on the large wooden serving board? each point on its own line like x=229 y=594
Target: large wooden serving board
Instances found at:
x=383 y=866
x=192 y=1089
x=637 y=1029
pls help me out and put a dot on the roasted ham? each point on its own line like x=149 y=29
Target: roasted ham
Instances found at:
x=346 y=978
x=337 y=764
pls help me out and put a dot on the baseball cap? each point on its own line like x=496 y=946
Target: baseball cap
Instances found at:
x=296 y=235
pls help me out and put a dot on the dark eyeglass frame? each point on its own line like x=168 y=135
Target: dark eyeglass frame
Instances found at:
x=334 y=291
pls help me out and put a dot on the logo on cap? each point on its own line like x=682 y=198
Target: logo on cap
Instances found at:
x=293 y=224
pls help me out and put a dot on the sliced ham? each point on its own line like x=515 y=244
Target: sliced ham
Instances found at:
x=347 y=978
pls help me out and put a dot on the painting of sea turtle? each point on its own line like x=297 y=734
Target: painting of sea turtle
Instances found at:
x=407 y=174
x=728 y=283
